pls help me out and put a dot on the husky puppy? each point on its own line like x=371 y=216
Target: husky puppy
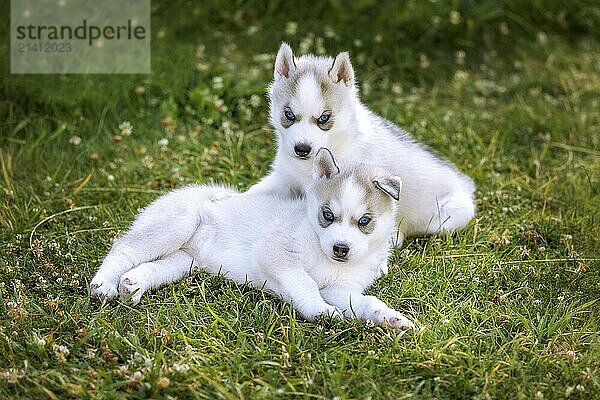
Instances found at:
x=319 y=252
x=314 y=103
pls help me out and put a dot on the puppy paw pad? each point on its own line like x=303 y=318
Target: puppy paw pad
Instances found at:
x=102 y=289
x=129 y=287
x=399 y=323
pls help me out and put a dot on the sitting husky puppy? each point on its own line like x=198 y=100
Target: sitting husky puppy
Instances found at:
x=318 y=253
x=314 y=103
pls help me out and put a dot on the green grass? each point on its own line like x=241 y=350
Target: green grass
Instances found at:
x=509 y=305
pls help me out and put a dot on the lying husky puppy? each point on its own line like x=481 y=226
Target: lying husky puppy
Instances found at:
x=314 y=103
x=318 y=253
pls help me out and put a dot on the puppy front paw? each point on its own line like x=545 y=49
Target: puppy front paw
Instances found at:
x=399 y=321
x=130 y=290
x=392 y=318
x=103 y=288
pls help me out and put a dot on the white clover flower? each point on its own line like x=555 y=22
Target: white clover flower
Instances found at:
x=61 y=352
x=255 y=100
x=306 y=43
x=291 y=28
x=329 y=32
x=539 y=395
x=569 y=391
x=366 y=88
x=75 y=140
x=200 y=51
x=136 y=377
x=12 y=375
x=455 y=17
x=480 y=101
x=220 y=104
x=202 y=67
x=319 y=46
x=126 y=128
x=91 y=353
x=61 y=349
x=181 y=367
x=217 y=82
x=148 y=162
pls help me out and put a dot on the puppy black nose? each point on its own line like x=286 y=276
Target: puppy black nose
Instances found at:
x=302 y=150
x=340 y=250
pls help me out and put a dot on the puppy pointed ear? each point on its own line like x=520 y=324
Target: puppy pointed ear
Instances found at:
x=324 y=164
x=284 y=63
x=390 y=185
x=341 y=70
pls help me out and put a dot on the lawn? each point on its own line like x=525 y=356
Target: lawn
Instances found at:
x=509 y=91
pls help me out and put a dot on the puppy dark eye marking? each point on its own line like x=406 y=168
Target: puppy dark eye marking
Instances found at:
x=326 y=217
x=288 y=117
x=325 y=120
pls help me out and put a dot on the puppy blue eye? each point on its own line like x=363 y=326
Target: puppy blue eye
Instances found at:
x=328 y=216
x=323 y=118
x=364 y=221
x=289 y=114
